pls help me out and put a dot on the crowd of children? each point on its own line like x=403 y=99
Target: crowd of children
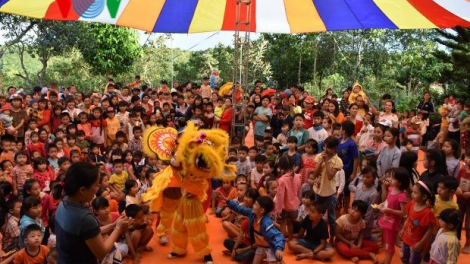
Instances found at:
x=323 y=178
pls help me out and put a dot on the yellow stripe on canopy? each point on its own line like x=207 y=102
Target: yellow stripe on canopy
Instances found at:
x=208 y=16
x=141 y=14
x=35 y=8
x=403 y=14
x=303 y=16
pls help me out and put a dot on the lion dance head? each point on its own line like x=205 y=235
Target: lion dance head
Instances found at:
x=196 y=156
x=202 y=153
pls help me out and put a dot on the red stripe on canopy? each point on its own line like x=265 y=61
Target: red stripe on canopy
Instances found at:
x=230 y=16
x=438 y=15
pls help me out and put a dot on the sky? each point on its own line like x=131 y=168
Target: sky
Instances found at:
x=198 y=41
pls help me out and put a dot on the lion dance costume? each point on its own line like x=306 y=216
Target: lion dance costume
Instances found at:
x=196 y=157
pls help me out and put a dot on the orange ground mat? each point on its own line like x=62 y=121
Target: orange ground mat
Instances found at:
x=217 y=236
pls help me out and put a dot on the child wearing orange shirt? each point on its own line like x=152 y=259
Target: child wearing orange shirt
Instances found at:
x=228 y=191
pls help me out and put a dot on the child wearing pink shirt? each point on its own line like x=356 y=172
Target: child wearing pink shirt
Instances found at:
x=289 y=183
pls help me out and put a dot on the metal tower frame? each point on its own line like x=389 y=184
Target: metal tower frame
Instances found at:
x=240 y=64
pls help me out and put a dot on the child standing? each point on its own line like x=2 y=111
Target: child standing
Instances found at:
x=71 y=141
x=136 y=142
x=366 y=133
x=419 y=224
x=446 y=189
x=317 y=132
x=33 y=252
x=243 y=164
x=98 y=128
x=413 y=133
x=30 y=215
x=350 y=240
x=269 y=239
x=308 y=159
x=446 y=245
x=118 y=179
x=84 y=125
x=11 y=229
x=32 y=127
x=367 y=192
x=435 y=165
x=42 y=172
x=257 y=172
x=349 y=154
x=287 y=199
x=7 y=150
x=312 y=235
x=299 y=132
x=327 y=165
x=21 y=172
x=35 y=145
x=82 y=142
x=451 y=150
x=112 y=127
x=393 y=209
x=463 y=200
x=292 y=153
x=389 y=157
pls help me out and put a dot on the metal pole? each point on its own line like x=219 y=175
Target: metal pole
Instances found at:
x=172 y=65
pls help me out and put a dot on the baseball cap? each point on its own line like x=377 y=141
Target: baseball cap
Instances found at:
x=385 y=122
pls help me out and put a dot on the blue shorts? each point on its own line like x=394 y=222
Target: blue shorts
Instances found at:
x=309 y=245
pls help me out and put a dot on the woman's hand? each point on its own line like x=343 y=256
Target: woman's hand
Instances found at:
x=122 y=224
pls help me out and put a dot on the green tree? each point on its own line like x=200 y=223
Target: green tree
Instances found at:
x=457 y=40
x=110 y=50
x=48 y=38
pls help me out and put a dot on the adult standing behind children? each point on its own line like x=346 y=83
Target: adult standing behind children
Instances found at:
x=78 y=232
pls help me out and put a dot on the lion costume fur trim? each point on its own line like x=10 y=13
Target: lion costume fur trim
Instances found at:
x=193 y=144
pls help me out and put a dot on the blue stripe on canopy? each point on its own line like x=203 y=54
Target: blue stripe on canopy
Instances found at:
x=369 y=14
x=2 y=2
x=176 y=16
x=336 y=15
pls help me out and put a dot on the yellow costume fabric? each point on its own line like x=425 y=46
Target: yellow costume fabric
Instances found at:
x=353 y=95
x=200 y=155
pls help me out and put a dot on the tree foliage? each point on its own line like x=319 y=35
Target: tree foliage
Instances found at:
x=109 y=49
x=400 y=62
x=458 y=42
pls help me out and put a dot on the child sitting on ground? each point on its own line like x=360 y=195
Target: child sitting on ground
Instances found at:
x=107 y=221
x=350 y=232
x=33 y=252
x=313 y=235
x=140 y=232
x=269 y=239
x=240 y=248
x=218 y=205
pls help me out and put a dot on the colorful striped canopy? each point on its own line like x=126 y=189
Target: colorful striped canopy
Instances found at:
x=275 y=16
